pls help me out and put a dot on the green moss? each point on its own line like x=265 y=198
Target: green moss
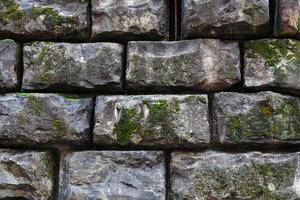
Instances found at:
x=166 y=70
x=195 y=99
x=69 y=97
x=58 y=125
x=22 y=94
x=266 y=121
x=251 y=181
x=49 y=165
x=127 y=125
x=52 y=17
x=11 y=12
x=53 y=66
x=252 y=8
x=282 y=57
x=36 y=104
x=157 y=121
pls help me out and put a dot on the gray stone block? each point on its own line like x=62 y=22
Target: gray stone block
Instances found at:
x=194 y=65
x=128 y=175
x=68 y=67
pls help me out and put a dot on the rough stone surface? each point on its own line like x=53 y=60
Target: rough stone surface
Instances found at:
x=9 y=61
x=263 y=117
x=29 y=119
x=214 y=175
x=273 y=63
x=26 y=175
x=129 y=20
x=287 y=18
x=124 y=175
x=167 y=120
x=44 y=19
x=197 y=65
x=65 y=66
x=226 y=19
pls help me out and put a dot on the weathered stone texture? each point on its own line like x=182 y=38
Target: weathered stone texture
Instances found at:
x=287 y=18
x=273 y=63
x=44 y=19
x=26 y=175
x=129 y=20
x=214 y=175
x=65 y=66
x=9 y=60
x=128 y=175
x=263 y=117
x=164 y=120
x=226 y=19
x=29 y=119
x=196 y=65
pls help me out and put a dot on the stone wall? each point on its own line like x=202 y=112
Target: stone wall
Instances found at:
x=150 y=99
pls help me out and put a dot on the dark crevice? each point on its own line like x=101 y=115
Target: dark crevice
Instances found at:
x=124 y=67
x=167 y=174
x=272 y=14
x=89 y=19
x=56 y=157
x=230 y=148
x=20 y=67
x=178 y=18
x=213 y=138
x=242 y=62
x=172 y=19
x=92 y=121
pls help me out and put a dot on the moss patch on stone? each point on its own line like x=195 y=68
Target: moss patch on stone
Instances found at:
x=282 y=57
x=36 y=105
x=49 y=165
x=52 y=17
x=53 y=66
x=266 y=121
x=12 y=11
x=253 y=8
x=165 y=70
x=261 y=181
x=149 y=119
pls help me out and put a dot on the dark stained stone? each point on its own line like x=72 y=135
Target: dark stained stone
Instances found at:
x=9 y=61
x=129 y=20
x=39 y=119
x=225 y=19
x=287 y=18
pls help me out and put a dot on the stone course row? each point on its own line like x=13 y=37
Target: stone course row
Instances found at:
x=142 y=175
x=164 y=121
x=203 y=65
x=144 y=19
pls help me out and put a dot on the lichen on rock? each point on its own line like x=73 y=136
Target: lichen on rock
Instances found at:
x=193 y=65
x=271 y=62
x=216 y=175
x=264 y=117
x=33 y=119
x=65 y=66
x=55 y=20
